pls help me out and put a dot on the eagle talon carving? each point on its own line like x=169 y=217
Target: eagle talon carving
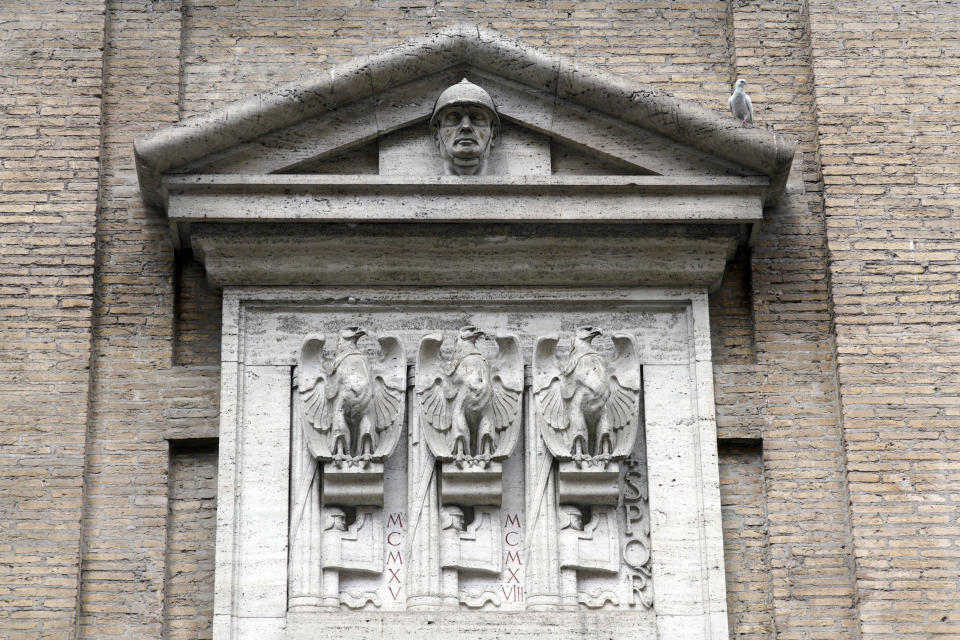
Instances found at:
x=470 y=405
x=588 y=409
x=352 y=408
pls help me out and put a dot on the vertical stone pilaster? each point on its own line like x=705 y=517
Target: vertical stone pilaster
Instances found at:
x=304 y=587
x=543 y=579
x=424 y=590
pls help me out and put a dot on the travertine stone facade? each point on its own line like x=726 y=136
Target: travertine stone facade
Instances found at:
x=838 y=454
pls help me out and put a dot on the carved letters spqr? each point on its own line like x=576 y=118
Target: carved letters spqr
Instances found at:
x=352 y=408
x=588 y=409
x=636 y=533
x=587 y=488
x=470 y=406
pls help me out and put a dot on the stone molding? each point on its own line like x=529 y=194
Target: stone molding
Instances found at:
x=366 y=78
x=590 y=561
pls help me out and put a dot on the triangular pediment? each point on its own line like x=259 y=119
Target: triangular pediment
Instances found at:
x=369 y=117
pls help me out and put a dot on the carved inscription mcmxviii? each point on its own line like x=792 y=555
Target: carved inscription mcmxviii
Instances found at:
x=577 y=538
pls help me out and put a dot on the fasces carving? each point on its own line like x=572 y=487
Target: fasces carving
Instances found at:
x=585 y=541
x=357 y=547
x=348 y=418
x=475 y=547
x=465 y=126
x=353 y=409
x=471 y=406
x=588 y=409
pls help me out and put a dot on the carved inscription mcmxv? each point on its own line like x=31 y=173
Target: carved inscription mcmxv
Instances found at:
x=561 y=522
x=349 y=414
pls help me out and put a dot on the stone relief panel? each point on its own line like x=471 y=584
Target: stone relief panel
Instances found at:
x=468 y=423
x=471 y=405
x=587 y=415
x=588 y=408
x=348 y=418
x=560 y=523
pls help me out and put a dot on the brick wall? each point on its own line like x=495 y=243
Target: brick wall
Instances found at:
x=793 y=384
x=746 y=546
x=868 y=251
x=50 y=77
x=234 y=49
x=191 y=532
x=888 y=108
x=135 y=391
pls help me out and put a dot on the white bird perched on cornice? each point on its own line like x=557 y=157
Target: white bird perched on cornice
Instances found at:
x=740 y=104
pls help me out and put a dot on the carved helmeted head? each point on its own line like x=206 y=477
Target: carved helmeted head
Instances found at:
x=464 y=125
x=452 y=518
x=570 y=517
x=334 y=518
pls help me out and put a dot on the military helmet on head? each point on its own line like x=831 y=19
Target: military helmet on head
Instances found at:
x=465 y=92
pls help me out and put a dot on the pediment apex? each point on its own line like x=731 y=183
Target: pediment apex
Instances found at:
x=487 y=51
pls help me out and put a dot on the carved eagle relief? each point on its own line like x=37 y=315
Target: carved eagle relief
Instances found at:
x=587 y=408
x=352 y=409
x=470 y=406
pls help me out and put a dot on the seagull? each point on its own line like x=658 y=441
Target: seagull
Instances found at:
x=740 y=104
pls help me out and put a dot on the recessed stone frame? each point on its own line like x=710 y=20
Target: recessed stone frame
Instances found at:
x=631 y=245
x=263 y=329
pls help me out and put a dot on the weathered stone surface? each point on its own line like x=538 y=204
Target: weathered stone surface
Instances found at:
x=876 y=114
x=456 y=255
x=480 y=564
x=439 y=626
x=464 y=44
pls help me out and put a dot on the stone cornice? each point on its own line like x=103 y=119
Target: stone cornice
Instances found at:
x=367 y=77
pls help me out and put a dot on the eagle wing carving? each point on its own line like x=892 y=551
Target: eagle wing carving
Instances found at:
x=548 y=392
x=389 y=379
x=314 y=391
x=432 y=390
x=506 y=376
x=623 y=406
